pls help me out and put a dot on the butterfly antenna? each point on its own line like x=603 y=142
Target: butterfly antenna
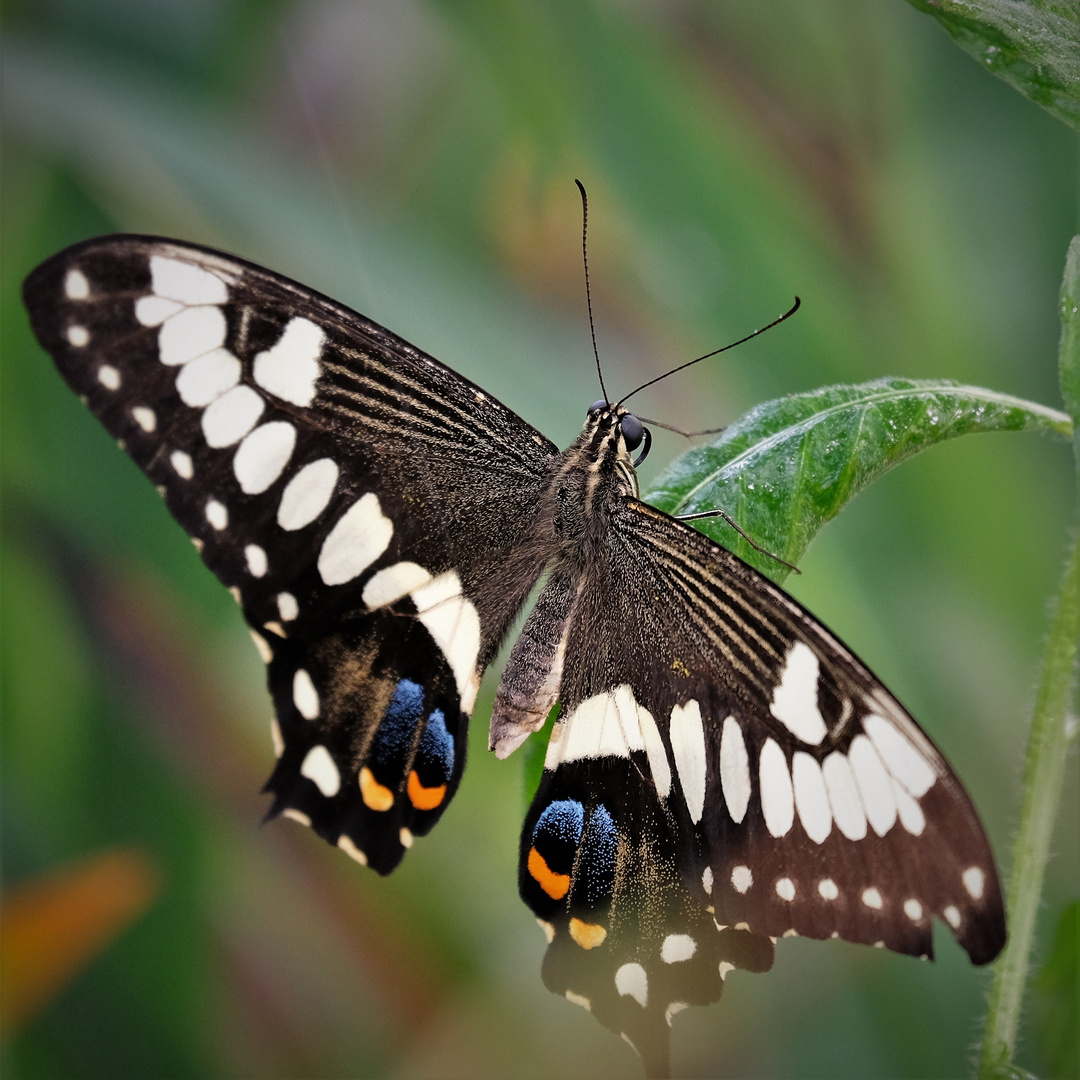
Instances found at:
x=760 y=330
x=588 y=291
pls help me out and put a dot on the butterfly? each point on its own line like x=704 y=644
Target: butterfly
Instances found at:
x=723 y=771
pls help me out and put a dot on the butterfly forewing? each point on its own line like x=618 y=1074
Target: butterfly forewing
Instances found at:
x=359 y=499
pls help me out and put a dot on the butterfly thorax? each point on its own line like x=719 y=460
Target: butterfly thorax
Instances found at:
x=593 y=473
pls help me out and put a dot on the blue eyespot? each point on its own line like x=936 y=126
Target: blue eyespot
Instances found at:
x=596 y=876
x=437 y=745
x=399 y=721
x=562 y=820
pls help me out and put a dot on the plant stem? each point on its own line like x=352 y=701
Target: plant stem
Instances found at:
x=1044 y=770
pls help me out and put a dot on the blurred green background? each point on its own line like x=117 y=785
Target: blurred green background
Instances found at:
x=416 y=161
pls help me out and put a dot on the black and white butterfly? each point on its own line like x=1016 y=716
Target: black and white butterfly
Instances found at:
x=723 y=771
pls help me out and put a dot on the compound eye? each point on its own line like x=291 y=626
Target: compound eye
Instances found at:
x=597 y=406
x=633 y=431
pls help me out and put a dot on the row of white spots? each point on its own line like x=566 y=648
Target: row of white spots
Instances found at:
x=78 y=336
x=742 y=880
x=611 y=724
x=853 y=790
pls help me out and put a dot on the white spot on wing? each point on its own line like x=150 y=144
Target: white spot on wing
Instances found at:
x=875 y=787
x=734 y=769
x=795 y=699
x=154 y=310
x=78 y=336
x=189 y=334
x=952 y=916
x=289 y=369
x=256 y=560
x=687 y=736
x=913 y=910
x=899 y=756
x=454 y=624
x=207 y=377
x=319 y=767
x=673 y=1008
x=76 y=287
x=263 y=455
x=287 y=606
x=144 y=417
x=182 y=464
x=345 y=843
x=231 y=417
x=677 y=947
x=307 y=494
x=844 y=798
x=216 y=514
x=109 y=377
x=777 y=798
x=263 y=648
x=275 y=737
x=872 y=899
x=911 y=815
x=974 y=881
x=707 y=879
x=811 y=798
x=305 y=696
x=725 y=967
x=296 y=815
x=827 y=889
x=785 y=889
x=631 y=981
x=741 y=878
x=360 y=536
x=387 y=586
x=186 y=282
x=656 y=751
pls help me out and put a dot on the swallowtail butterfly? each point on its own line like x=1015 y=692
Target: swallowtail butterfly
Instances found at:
x=723 y=771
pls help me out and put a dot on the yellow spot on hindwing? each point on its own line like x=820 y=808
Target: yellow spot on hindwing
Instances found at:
x=555 y=885
x=587 y=935
x=424 y=798
x=680 y=668
x=375 y=796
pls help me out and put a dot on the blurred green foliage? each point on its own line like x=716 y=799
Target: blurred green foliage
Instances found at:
x=415 y=160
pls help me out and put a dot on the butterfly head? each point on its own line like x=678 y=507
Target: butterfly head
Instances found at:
x=608 y=419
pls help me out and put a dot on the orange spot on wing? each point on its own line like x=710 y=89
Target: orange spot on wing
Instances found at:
x=587 y=935
x=375 y=796
x=424 y=798
x=555 y=885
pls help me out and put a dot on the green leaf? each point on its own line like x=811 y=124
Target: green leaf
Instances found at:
x=1057 y=997
x=1069 y=350
x=1034 y=46
x=788 y=466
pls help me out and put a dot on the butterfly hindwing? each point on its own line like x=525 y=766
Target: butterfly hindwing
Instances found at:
x=359 y=499
x=753 y=769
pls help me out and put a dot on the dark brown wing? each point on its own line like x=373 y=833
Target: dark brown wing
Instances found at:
x=358 y=498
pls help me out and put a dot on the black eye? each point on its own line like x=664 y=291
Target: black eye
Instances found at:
x=597 y=406
x=633 y=431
